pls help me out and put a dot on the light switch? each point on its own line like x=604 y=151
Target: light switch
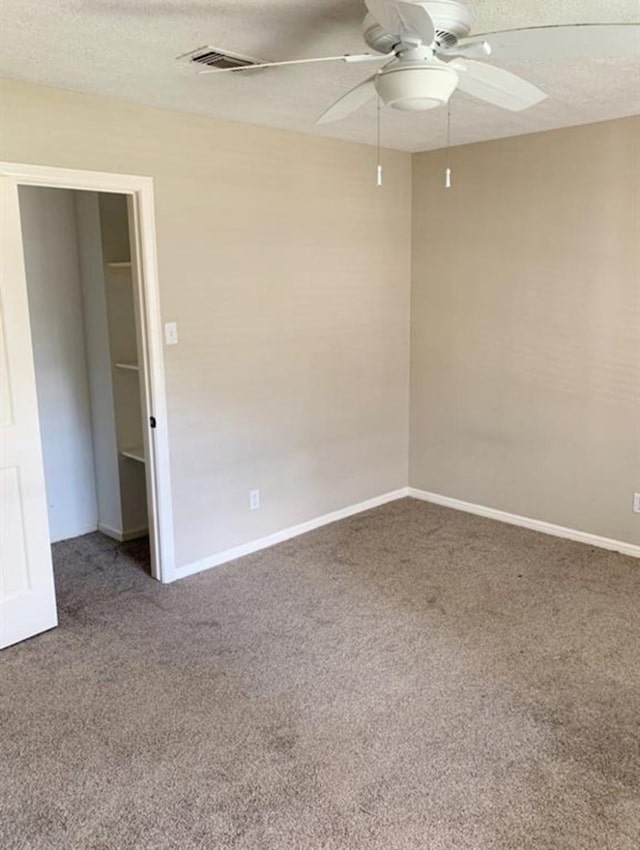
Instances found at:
x=171 y=333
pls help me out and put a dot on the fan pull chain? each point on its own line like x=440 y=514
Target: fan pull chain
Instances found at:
x=378 y=154
x=447 y=173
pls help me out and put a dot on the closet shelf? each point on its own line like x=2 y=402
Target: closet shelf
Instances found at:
x=132 y=367
x=122 y=269
x=136 y=453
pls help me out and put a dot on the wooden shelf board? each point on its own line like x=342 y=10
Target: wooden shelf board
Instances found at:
x=120 y=269
x=136 y=453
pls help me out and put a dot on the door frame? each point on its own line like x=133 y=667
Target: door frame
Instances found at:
x=140 y=191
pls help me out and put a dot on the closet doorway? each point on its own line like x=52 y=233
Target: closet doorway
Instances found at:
x=86 y=340
x=85 y=447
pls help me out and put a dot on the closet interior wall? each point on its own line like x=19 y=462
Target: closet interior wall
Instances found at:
x=85 y=345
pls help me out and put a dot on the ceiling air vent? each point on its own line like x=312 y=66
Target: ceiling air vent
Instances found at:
x=213 y=57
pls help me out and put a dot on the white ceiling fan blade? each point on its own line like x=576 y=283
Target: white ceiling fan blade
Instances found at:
x=356 y=57
x=567 y=41
x=384 y=11
x=406 y=19
x=417 y=20
x=472 y=49
x=349 y=102
x=495 y=85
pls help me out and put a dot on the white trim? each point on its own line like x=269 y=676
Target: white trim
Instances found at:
x=158 y=438
x=141 y=190
x=71 y=178
x=122 y=536
x=287 y=534
x=527 y=522
x=422 y=495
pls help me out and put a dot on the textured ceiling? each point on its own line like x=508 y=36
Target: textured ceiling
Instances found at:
x=127 y=48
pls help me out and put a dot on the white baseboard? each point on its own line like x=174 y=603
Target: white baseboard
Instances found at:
x=423 y=495
x=526 y=522
x=286 y=534
x=122 y=536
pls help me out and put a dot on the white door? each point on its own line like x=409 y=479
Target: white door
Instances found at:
x=27 y=594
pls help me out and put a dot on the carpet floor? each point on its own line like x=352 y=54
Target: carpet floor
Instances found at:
x=412 y=678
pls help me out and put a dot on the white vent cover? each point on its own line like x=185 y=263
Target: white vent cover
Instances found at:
x=214 y=57
x=445 y=39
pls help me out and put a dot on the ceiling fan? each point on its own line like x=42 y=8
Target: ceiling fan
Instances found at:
x=428 y=53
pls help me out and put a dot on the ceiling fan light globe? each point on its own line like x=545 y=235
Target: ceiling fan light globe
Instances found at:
x=417 y=104
x=416 y=88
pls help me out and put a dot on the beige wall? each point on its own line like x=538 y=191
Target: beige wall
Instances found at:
x=288 y=273
x=525 y=363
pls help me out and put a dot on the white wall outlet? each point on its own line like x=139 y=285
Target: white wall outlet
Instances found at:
x=254 y=500
x=636 y=503
x=171 y=333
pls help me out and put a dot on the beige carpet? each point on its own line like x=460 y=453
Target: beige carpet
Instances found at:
x=410 y=678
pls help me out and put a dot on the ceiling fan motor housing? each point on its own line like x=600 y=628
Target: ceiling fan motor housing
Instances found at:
x=451 y=20
x=416 y=87
x=376 y=37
